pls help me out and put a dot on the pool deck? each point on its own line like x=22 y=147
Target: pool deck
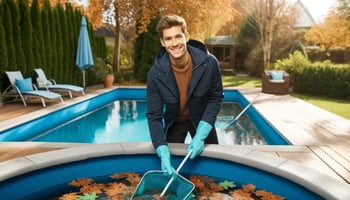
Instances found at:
x=321 y=140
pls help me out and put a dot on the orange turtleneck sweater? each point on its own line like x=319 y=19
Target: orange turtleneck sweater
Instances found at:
x=183 y=76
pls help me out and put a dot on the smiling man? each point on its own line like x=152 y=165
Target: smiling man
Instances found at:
x=184 y=92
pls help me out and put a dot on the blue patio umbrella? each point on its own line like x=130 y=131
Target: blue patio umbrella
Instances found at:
x=84 y=58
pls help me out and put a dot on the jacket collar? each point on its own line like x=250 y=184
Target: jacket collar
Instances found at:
x=197 y=50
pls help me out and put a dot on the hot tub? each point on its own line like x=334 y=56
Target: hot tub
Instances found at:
x=42 y=175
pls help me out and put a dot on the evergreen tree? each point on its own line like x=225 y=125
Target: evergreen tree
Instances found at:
x=148 y=46
x=7 y=22
x=53 y=35
x=59 y=47
x=71 y=50
x=15 y=15
x=3 y=48
x=38 y=38
x=26 y=36
x=65 y=42
x=47 y=55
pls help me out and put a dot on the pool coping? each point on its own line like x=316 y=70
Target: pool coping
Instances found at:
x=330 y=188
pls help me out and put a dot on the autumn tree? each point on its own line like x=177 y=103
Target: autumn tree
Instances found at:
x=203 y=19
x=334 y=30
x=268 y=16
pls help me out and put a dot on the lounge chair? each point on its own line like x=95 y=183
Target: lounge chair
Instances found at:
x=23 y=88
x=51 y=85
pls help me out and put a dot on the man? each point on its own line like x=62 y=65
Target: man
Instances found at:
x=184 y=92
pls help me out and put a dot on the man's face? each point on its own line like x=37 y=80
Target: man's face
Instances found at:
x=174 y=41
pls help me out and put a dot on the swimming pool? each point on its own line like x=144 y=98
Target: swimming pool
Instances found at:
x=132 y=97
x=47 y=174
x=27 y=177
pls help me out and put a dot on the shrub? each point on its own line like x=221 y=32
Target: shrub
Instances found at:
x=320 y=78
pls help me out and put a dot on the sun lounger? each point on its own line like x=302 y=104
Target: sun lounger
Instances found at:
x=23 y=88
x=51 y=85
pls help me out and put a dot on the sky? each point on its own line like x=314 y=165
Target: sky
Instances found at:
x=318 y=8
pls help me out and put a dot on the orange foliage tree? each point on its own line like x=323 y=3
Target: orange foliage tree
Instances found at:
x=204 y=18
x=333 y=32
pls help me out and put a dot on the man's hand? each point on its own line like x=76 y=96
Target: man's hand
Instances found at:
x=164 y=154
x=197 y=143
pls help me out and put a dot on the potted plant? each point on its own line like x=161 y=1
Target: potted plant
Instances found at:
x=109 y=77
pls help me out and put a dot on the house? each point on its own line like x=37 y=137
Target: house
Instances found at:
x=107 y=33
x=304 y=19
x=222 y=46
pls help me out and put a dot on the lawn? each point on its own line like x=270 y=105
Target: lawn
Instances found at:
x=339 y=107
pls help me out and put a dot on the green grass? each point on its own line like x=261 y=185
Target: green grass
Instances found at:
x=243 y=81
x=336 y=106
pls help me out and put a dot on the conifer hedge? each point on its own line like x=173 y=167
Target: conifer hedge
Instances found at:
x=33 y=36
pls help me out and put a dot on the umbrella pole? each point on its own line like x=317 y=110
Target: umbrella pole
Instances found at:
x=84 y=79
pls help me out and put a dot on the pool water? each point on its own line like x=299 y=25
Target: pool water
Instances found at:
x=125 y=121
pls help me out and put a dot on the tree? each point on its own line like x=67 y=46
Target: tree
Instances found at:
x=47 y=54
x=26 y=35
x=125 y=14
x=8 y=26
x=267 y=17
x=16 y=30
x=333 y=32
x=3 y=48
x=38 y=42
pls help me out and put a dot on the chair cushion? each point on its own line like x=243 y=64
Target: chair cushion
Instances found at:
x=276 y=75
x=24 y=84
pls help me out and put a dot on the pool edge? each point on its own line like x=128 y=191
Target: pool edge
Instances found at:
x=330 y=188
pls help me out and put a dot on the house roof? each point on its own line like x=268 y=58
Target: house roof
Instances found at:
x=304 y=19
x=220 y=40
x=103 y=31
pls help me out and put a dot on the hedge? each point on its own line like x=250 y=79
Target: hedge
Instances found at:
x=319 y=78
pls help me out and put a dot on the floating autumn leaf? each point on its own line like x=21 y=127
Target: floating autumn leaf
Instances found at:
x=227 y=184
x=81 y=182
x=197 y=181
x=69 y=196
x=86 y=196
x=118 y=176
x=267 y=195
x=92 y=188
x=133 y=178
x=115 y=188
x=241 y=194
x=214 y=187
x=206 y=189
x=205 y=185
x=248 y=187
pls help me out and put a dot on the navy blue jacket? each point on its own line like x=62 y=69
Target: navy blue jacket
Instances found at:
x=205 y=92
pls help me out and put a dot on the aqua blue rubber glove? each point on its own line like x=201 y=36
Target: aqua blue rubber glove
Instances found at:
x=164 y=154
x=197 y=143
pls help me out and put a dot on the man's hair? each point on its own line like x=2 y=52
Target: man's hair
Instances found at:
x=169 y=21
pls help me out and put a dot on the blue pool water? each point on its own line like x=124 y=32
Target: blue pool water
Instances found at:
x=119 y=116
x=45 y=183
x=125 y=121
